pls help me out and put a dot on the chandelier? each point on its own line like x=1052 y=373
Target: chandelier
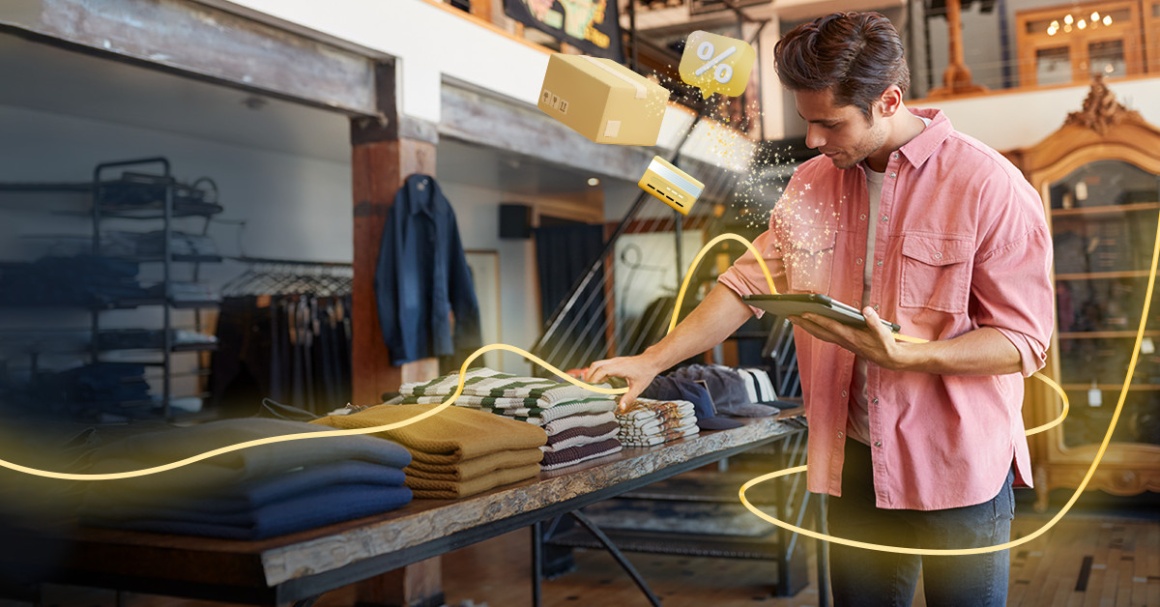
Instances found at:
x=1069 y=23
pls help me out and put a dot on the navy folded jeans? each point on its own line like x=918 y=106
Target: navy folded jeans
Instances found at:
x=873 y=578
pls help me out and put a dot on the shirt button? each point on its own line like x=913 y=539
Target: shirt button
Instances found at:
x=841 y=435
x=862 y=217
x=885 y=218
x=875 y=307
x=858 y=261
x=843 y=394
x=877 y=443
x=879 y=264
x=894 y=155
x=875 y=401
x=938 y=255
x=893 y=175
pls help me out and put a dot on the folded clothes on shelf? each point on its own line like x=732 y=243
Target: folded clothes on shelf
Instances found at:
x=129 y=339
x=458 y=452
x=78 y=280
x=152 y=244
x=553 y=405
x=253 y=493
x=649 y=422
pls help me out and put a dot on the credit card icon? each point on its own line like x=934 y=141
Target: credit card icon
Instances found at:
x=671 y=185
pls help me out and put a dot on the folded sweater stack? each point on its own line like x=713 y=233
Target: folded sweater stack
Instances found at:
x=457 y=452
x=653 y=422
x=579 y=424
x=253 y=493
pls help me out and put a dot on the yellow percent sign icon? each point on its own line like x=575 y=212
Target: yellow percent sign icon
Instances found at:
x=717 y=64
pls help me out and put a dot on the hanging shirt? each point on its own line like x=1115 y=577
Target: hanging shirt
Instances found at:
x=422 y=276
x=961 y=243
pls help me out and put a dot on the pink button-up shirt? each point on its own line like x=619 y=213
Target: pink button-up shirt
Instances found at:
x=961 y=244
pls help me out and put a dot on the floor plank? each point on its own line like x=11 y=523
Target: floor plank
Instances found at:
x=496 y=573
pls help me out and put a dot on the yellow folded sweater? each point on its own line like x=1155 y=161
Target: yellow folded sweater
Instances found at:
x=453 y=435
x=475 y=467
x=425 y=488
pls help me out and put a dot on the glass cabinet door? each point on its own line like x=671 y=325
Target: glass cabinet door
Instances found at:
x=1107 y=57
x=1053 y=65
x=1104 y=224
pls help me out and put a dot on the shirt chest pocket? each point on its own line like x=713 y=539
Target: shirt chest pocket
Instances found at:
x=810 y=260
x=936 y=273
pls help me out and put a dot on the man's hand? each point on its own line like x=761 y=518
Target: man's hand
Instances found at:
x=639 y=371
x=874 y=342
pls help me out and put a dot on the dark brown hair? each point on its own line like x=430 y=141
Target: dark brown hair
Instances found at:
x=855 y=55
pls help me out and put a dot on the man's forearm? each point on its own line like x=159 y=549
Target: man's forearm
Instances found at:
x=984 y=351
x=715 y=319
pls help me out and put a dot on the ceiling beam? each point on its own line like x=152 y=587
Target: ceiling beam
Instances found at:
x=203 y=42
x=484 y=119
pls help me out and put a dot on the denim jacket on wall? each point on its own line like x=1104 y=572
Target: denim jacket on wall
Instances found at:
x=422 y=275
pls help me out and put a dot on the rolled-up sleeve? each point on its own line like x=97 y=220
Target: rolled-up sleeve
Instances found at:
x=745 y=277
x=1012 y=287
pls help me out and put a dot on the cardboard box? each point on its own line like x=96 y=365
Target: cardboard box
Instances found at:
x=603 y=100
x=671 y=185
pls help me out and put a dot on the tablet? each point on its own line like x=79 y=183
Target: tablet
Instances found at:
x=795 y=304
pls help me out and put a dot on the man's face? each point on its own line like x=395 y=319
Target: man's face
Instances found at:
x=842 y=133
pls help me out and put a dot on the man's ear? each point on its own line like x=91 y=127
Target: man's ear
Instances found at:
x=890 y=100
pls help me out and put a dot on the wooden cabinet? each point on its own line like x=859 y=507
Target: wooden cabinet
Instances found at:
x=1151 y=15
x=1072 y=43
x=1098 y=178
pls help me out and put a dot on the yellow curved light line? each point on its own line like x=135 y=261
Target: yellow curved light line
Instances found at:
x=108 y=476
x=611 y=391
x=1038 y=532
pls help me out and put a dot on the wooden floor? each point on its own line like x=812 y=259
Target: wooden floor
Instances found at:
x=1090 y=559
x=1124 y=571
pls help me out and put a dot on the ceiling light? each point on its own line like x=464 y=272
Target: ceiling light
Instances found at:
x=1107 y=19
x=1069 y=19
x=592 y=181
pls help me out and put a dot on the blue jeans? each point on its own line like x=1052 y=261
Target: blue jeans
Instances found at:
x=879 y=579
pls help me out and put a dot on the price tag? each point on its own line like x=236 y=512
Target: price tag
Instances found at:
x=1095 y=397
x=1146 y=346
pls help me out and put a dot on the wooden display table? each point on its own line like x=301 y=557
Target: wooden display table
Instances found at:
x=299 y=567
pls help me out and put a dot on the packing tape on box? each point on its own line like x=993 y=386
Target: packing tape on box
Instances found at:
x=671 y=185
x=602 y=100
x=641 y=91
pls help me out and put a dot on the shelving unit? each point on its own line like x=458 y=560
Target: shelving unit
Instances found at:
x=1099 y=177
x=142 y=191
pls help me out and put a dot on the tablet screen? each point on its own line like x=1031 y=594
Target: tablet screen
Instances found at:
x=796 y=304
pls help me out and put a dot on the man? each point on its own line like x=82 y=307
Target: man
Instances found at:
x=918 y=444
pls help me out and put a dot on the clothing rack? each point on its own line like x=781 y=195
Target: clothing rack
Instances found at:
x=284 y=334
x=271 y=276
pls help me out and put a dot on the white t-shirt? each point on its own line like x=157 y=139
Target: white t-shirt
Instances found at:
x=858 y=422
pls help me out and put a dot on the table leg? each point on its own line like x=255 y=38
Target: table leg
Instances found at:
x=617 y=555
x=537 y=563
